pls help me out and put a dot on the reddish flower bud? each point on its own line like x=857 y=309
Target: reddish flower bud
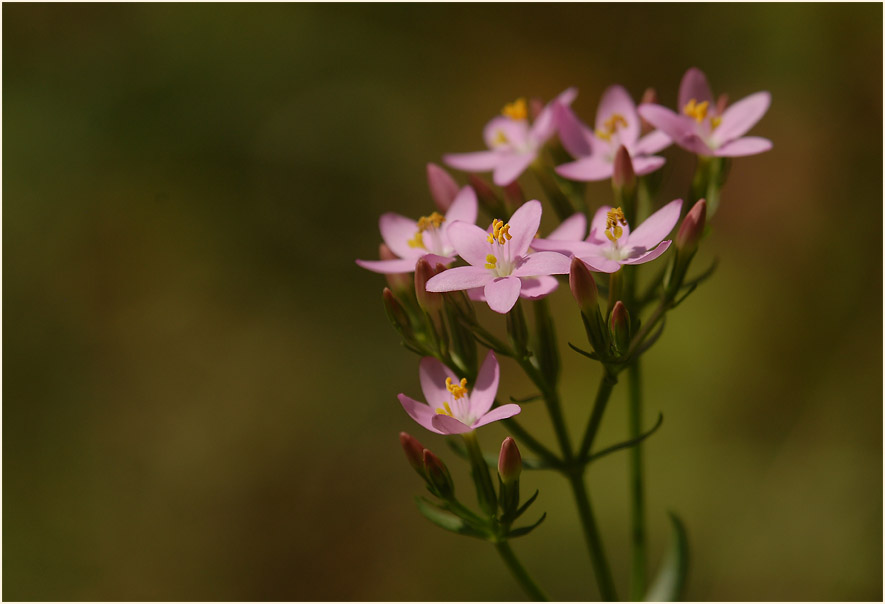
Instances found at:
x=509 y=461
x=513 y=195
x=430 y=301
x=438 y=475
x=620 y=327
x=414 y=451
x=398 y=282
x=624 y=176
x=650 y=96
x=721 y=103
x=443 y=187
x=397 y=314
x=536 y=106
x=692 y=228
x=583 y=286
x=484 y=193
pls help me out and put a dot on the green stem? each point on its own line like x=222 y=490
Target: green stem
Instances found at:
x=485 y=490
x=602 y=395
x=637 y=490
x=551 y=400
x=591 y=535
x=519 y=572
x=523 y=437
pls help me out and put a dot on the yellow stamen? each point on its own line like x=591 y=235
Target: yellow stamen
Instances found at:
x=500 y=232
x=457 y=390
x=696 y=110
x=613 y=221
x=715 y=121
x=426 y=223
x=446 y=411
x=417 y=241
x=500 y=138
x=610 y=126
x=517 y=110
x=491 y=262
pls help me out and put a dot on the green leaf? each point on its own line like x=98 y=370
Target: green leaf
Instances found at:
x=525 y=530
x=446 y=520
x=525 y=399
x=589 y=355
x=526 y=505
x=668 y=585
x=628 y=443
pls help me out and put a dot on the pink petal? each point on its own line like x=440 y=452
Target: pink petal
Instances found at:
x=743 y=115
x=445 y=424
x=515 y=133
x=389 y=267
x=572 y=228
x=749 y=145
x=573 y=135
x=594 y=167
x=482 y=397
x=597 y=225
x=501 y=294
x=693 y=86
x=478 y=161
x=460 y=277
x=535 y=288
x=470 y=241
x=498 y=413
x=397 y=230
x=433 y=374
x=477 y=294
x=419 y=412
x=616 y=100
x=524 y=226
x=646 y=164
x=543 y=263
x=443 y=187
x=545 y=124
x=601 y=264
x=463 y=207
x=680 y=128
x=656 y=227
x=651 y=143
x=511 y=167
x=649 y=256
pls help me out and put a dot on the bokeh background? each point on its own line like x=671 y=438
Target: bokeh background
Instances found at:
x=199 y=395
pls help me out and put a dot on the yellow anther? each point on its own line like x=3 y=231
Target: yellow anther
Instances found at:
x=430 y=222
x=500 y=232
x=614 y=219
x=491 y=261
x=610 y=126
x=457 y=390
x=696 y=110
x=500 y=138
x=417 y=241
x=517 y=110
x=715 y=121
x=446 y=411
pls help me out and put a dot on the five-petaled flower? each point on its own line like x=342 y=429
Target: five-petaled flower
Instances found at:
x=610 y=243
x=706 y=127
x=617 y=123
x=425 y=238
x=451 y=408
x=500 y=262
x=513 y=143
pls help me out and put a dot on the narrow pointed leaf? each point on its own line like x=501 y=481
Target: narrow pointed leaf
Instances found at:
x=525 y=530
x=526 y=505
x=589 y=355
x=446 y=520
x=526 y=399
x=628 y=443
x=668 y=585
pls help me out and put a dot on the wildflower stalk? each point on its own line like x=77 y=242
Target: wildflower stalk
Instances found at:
x=637 y=489
x=519 y=572
x=485 y=490
x=606 y=385
x=591 y=535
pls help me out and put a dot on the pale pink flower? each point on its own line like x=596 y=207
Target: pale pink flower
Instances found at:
x=426 y=238
x=610 y=243
x=706 y=127
x=513 y=143
x=500 y=261
x=617 y=124
x=452 y=407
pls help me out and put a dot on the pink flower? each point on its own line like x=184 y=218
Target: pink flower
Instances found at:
x=610 y=243
x=709 y=128
x=450 y=409
x=617 y=123
x=500 y=262
x=427 y=237
x=513 y=143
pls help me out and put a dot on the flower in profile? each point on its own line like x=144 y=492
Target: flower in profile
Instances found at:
x=453 y=408
x=707 y=127
x=500 y=262
x=617 y=124
x=513 y=142
x=411 y=240
x=610 y=243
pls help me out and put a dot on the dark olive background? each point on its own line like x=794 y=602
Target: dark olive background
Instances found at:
x=199 y=396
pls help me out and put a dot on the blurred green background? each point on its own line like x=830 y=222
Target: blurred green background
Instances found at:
x=199 y=396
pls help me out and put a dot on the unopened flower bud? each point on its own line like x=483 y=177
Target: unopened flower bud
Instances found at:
x=398 y=282
x=624 y=176
x=620 y=327
x=650 y=96
x=486 y=196
x=438 y=475
x=397 y=314
x=509 y=461
x=431 y=302
x=583 y=286
x=692 y=228
x=513 y=196
x=536 y=106
x=414 y=451
x=721 y=103
x=443 y=187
